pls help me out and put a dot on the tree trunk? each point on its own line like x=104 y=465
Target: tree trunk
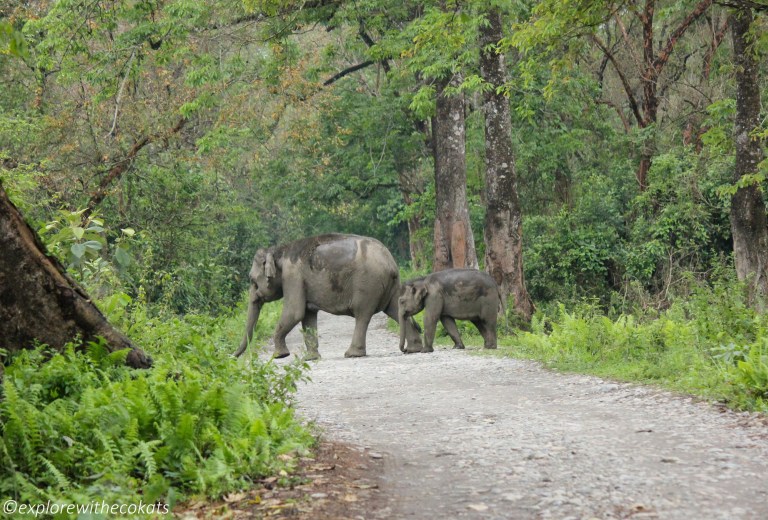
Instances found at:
x=412 y=184
x=39 y=301
x=503 y=218
x=649 y=79
x=748 y=219
x=454 y=241
x=416 y=246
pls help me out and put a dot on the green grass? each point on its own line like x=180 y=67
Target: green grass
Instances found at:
x=673 y=351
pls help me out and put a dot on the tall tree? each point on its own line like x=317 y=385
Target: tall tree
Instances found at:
x=649 y=49
x=749 y=225
x=435 y=46
x=454 y=240
x=40 y=302
x=503 y=228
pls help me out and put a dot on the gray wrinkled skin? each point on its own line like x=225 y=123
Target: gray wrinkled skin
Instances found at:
x=340 y=274
x=449 y=295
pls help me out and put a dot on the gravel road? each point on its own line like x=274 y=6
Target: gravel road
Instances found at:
x=468 y=436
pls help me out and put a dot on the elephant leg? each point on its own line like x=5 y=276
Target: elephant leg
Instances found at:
x=412 y=331
x=357 y=348
x=487 y=331
x=288 y=320
x=430 y=327
x=490 y=336
x=309 y=327
x=450 y=327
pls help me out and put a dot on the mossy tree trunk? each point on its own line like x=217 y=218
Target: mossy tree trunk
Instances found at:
x=749 y=225
x=39 y=301
x=503 y=218
x=454 y=240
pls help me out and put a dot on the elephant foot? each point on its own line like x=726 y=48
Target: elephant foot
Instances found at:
x=427 y=350
x=414 y=347
x=355 y=352
x=490 y=347
x=311 y=355
x=459 y=346
x=281 y=353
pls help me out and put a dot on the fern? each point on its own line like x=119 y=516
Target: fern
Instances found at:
x=61 y=481
x=144 y=450
x=76 y=426
x=109 y=448
x=14 y=429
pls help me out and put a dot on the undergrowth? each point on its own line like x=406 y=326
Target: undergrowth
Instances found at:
x=79 y=426
x=711 y=344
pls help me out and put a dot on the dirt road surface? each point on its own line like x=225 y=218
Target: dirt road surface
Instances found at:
x=457 y=435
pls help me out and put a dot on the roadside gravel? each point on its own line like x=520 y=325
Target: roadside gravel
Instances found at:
x=469 y=436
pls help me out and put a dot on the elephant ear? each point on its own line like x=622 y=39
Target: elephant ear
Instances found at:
x=420 y=292
x=269 y=266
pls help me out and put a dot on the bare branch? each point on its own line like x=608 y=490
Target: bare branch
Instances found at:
x=627 y=41
x=120 y=94
x=624 y=81
x=122 y=166
x=347 y=71
x=757 y=5
x=664 y=54
x=618 y=110
x=717 y=39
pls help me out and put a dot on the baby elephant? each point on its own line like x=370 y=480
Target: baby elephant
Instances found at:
x=453 y=294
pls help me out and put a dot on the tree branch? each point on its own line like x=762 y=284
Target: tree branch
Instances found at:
x=717 y=39
x=627 y=41
x=745 y=4
x=370 y=43
x=624 y=81
x=613 y=105
x=664 y=54
x=121 y=167
x=347 y=71
x=120 y=94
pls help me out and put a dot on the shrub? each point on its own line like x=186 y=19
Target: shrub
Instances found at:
x=712 y=344
x=79 y=426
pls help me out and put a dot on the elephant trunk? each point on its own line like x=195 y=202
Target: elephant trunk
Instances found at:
x=254 y=308
x=401 y=320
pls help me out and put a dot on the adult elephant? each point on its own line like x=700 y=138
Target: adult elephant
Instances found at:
x=341 y=274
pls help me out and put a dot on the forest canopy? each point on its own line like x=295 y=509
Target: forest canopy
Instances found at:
x=192 y=133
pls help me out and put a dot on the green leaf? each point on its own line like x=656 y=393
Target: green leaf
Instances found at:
x=93 y=245
x=78 y=250
x=122 y=257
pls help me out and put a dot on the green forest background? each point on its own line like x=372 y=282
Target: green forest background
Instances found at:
x=155 y=145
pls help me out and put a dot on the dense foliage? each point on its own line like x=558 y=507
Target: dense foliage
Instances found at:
x=79 y=426
x=710 y=345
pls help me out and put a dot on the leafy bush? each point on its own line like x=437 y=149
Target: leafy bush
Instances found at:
x=750 y=377
x=79 y=426
x=711 y=344
x=572 y=254
x=680 y=222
